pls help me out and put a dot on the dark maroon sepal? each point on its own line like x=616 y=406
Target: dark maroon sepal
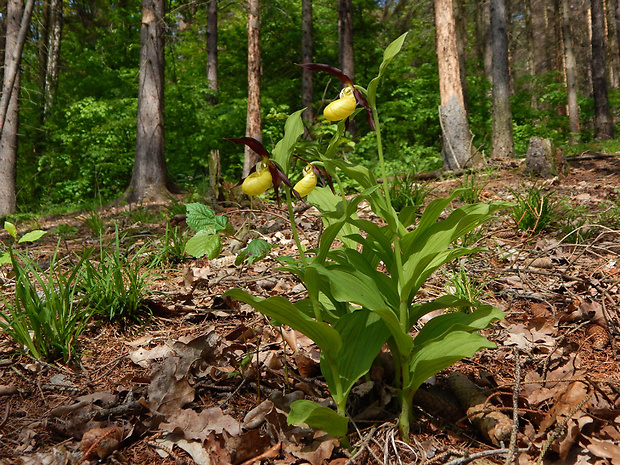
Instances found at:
x=330 y=70
x=255 y=145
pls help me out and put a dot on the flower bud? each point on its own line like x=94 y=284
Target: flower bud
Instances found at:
x=343 y=107
x=259 y=181
x=307 y=183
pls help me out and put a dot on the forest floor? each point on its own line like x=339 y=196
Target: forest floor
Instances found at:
x=208 y=381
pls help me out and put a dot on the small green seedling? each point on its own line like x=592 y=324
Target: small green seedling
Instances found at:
x=32 y=236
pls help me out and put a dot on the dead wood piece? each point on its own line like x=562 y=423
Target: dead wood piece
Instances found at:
x=132 y=407
x=438 y=404
x=543 y=159
x=7 y=390
x=494 y=425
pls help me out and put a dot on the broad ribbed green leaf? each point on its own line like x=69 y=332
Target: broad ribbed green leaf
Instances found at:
x=363 y=333
x=480 y=318
x=319 y=417
x=348 y=285
x=438 y=354
x=280 y=309
x=293 y=129
x=445 y=301
x=326 y=201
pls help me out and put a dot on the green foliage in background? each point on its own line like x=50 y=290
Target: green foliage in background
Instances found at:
x=83 y=148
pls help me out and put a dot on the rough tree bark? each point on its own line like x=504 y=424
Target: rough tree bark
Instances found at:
x=460 y=23
x=483 y=37
x=538 y=36
x=253 y=126
x=603 y=124
x=212 y=49
x=306 y=57
x=17 y=21
x=149 y=181
x=457 y=146
x=502 y=142
x=570 y=72
x=52 y=54
x=11 y=66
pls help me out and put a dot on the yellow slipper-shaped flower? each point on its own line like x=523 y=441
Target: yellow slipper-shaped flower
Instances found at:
x=307 y=183
x=343 y=107
x=259 y=181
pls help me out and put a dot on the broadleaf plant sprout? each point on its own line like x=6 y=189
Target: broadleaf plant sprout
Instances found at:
x=364 y=293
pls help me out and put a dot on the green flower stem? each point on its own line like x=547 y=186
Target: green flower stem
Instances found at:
x=291 y=216
x=404 y=419
x=386 y=190
x=302 y=254
x=404 y=306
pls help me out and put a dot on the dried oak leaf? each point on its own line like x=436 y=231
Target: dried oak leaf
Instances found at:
x=604 y=450
x=101 y=441
x=193 y=425
x=167 y=393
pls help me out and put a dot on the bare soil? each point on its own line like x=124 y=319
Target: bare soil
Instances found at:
x=204 y=380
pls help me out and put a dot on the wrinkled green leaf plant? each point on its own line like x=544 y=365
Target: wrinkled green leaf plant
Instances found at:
x=208 y=240
x=363 y=294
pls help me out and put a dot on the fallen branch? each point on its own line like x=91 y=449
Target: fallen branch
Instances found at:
x=493 y=424
x=7 y=390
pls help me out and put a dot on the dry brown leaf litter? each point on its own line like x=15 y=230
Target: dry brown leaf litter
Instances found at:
x=208 y=382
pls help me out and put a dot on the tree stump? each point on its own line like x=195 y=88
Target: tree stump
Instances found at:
x=543 y=159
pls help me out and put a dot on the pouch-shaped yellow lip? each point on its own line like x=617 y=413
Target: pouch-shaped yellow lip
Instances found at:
x=341 y=108
x=258 y=182
x=307 y=183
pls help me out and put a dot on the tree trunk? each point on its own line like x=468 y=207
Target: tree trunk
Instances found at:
x=253 y=126
x=306 y=57
x=212 y=49
x=617 y=23
x=457 y=147
x=17 y=21
x=603 y=124
x=570 y=72
x=613 y=53
x=54 y=31
x=502 y=143
x=11 y=66
x=460 y=23
x=538 y=37
x=10 y=86
x=345 y=38
x=483 y=37
x=150 y=178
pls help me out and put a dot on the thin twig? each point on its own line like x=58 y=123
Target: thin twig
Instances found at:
x=513 y=456
x=486 y=453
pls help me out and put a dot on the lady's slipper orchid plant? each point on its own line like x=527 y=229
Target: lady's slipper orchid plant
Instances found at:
x=350 y=96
